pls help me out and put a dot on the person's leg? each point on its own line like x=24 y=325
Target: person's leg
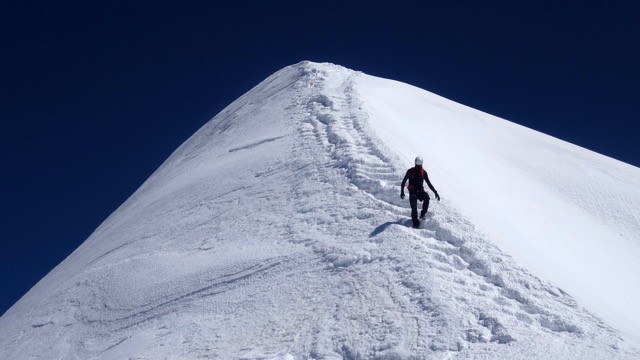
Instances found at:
x=413 y=201
x=425 y=206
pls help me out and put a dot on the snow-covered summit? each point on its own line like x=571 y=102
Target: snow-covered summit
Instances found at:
x=276 y=231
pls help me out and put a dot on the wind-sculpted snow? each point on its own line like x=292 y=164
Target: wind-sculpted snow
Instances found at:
x=276 y=232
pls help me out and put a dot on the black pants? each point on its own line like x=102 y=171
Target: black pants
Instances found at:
x=413 y=200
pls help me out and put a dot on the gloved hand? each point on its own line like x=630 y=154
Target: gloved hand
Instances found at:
x=437 y=196
x=402 y=195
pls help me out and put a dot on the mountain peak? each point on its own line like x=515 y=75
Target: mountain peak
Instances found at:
x=277 y=231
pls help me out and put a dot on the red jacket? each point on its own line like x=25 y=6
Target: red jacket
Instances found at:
x=416 y=176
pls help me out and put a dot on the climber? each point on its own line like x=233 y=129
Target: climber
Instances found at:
x=416 y=175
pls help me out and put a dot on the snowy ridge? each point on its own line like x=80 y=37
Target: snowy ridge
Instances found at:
x=276 y=231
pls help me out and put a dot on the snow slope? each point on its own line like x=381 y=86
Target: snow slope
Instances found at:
x=569 y=214
x=276 y=231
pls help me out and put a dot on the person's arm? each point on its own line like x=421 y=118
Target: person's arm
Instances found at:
x=426 y=178
x=404 y=181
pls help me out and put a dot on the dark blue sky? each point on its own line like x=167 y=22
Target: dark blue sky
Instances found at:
x=95 y=95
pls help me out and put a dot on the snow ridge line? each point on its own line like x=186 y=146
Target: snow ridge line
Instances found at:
x=327 y=160
x=362 y=158
x=352 y=148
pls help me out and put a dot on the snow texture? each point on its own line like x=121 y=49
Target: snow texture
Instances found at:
x=277 y=232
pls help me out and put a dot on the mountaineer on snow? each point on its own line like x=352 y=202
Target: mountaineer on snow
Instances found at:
x=416 y=176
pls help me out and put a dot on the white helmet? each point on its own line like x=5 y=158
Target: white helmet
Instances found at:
x=419 y=161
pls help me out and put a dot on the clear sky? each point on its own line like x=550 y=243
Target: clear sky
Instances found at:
x=95 y=95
